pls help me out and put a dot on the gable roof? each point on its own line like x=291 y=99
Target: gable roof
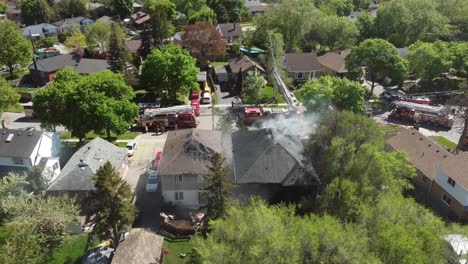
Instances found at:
x=262 y=156
x=140 y=17
x=133 y=45
x=105 y=19
x=82 y=21
x=80 y=65
x=140 y=246
x=187 y=151
x=22 y=142
x=79 y=170
x=229 y=29
x=244 y=62
x=38 y=29
x=301 y=62
x=423 y=152
x=457 y=168
x=335 y=61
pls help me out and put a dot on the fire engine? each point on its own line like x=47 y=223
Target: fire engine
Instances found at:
x=421 y=113
x=252 y=114
x=169 y=117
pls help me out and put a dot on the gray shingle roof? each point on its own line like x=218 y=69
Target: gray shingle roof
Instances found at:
x=78 y=172
x=187 y=151
x=261 y=156
x=73 y=61
x=301 y=62
x=39 y=29
x=244 y=63
x=230 y=29
x=82 y=21
x=335 y=61
x=21 y=145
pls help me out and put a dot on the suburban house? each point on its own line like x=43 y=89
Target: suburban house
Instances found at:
x=22 y=149
x=244 y=64
x=82 y=22
x=229 y=31
x=76 y=180
x=139 y=19
x=255 y=7
x=44 y=71
x=133 y=45
x=269 y=164
x=36 y=32
x=441 y=177
x=334 y=63
x=302 y=66
x=187 y=154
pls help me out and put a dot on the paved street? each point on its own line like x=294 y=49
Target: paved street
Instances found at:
x=18 y=121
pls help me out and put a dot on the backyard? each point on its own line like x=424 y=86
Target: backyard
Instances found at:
x=72 y=250
x=265 y=95
x=176 y=247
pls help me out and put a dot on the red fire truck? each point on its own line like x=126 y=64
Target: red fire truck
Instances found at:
x=252 y=114
x=436 y=115
x=169 y=117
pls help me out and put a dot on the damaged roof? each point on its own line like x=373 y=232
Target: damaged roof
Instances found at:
x=264 y=156
x=188 y=151
x=244 y=63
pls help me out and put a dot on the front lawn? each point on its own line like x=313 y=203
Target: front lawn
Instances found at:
x=218 y=63
x=72 y=250
x=266 y=94
x=445 y=142
x=92 y=135
x=175 y=249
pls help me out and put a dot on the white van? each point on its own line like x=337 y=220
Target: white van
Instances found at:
x=206 y=98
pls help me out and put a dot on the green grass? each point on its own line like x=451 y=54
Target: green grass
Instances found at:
x=247 y=24
x=266 y=93
x=445 y=142
x=298 y=96
x=218 y=63
x=92 y=135
x=176 y=248
x=17 y=108
x=389 y=127
x=26 y=89
x=72 y=250
x=120 y=144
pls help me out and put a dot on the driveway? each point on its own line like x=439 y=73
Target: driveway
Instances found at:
x=18 y=121
x=148 y=204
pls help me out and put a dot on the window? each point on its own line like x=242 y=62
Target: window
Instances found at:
x=300 y=75
x=179 y=196
x=55 y=166
x=446 y=199
x=451 y=182
x=178 y=178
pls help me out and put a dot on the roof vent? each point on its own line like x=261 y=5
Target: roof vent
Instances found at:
x=9 y=138
x=413 y=133
x=30 y=134
x=430 y=145
x=4 y=132
x=19 y=133
x=420 y=138
x=437 y=151
x=445 y=156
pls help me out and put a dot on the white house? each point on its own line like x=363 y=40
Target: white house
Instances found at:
x=23 y=149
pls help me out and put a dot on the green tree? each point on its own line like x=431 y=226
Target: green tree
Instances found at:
x=122 y=8
x=188 y=7
x=216 y=191
x=331 y=33
x=203 y=14
x=455 y=11
x=70 y=29
x=15 y=49
x=3 y=7
x=162 y=12
x=170 y=70
x=69 y=8
x=114 y=209
x=319 y=94
x=337 y=7
x=366 y=26
x=403 y=22
x=459 y=58
x=228 y=11
x=35 y=12
x=46 y=42
x=118 y=53
x=254 y=83
x=98 y=34
x=8 y=96
x=381 y=59
x=37 y=180
x=428 y=60
x=76 y=40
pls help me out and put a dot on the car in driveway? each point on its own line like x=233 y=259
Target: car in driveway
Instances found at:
x=152 y=182
x=156 y=161
x=195 y=106
x=206 y=98
x=131 y=147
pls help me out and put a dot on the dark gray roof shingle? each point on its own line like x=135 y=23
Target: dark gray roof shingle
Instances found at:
x=39 y=29
x=80 y=65
x=78 y=172
x=244 y=63
x=230 y=29
x=301 y=62
x=22 y=143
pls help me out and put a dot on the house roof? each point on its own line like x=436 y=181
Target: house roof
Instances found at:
x=264 y=156
x=201 y=76
x=38 y=29
x=301 y=62
x=133 y=45
x=140 y=246
x=80 y=65
x=74 y=20
x=457 y=168
x=79 y=170
x=423 y=152
x=244 y=62
x=229 y=29
x=105 y=19
x=22 y=142
x=335 y=61
x=187 y=151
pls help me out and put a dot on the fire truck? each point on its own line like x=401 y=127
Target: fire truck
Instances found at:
x=252 y=114
x=421 y=113
x=168 y=117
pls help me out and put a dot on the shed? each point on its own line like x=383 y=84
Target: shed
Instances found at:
x=221 y=74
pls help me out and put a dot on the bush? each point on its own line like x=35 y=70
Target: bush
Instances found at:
x=47 y=42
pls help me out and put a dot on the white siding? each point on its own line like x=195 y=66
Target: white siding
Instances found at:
x=457 y=191
x=190 y=198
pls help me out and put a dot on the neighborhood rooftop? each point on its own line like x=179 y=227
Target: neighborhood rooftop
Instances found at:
x=301 y=62
x=72 y=60
x=18 y=143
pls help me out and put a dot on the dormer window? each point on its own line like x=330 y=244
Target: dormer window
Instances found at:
x=451 y=182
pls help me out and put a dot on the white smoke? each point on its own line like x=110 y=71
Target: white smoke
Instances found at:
x=295 y=126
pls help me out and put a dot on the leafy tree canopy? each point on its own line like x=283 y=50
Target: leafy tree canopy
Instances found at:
x=337 y=7
x=228 y=11
x=428 y=60
x=35 y=12
x=118 y=54
x=98 y=35
x=69 y=8
x=122 y=8
x=15 y=49
x=46 y=42
x=76 y=40
x=8 y=96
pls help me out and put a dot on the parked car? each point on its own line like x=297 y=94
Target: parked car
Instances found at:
x=196 y=107
x=131 y=146
x=152 y=181
x=157 y=160
x=194 y=95
x=206 y=98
